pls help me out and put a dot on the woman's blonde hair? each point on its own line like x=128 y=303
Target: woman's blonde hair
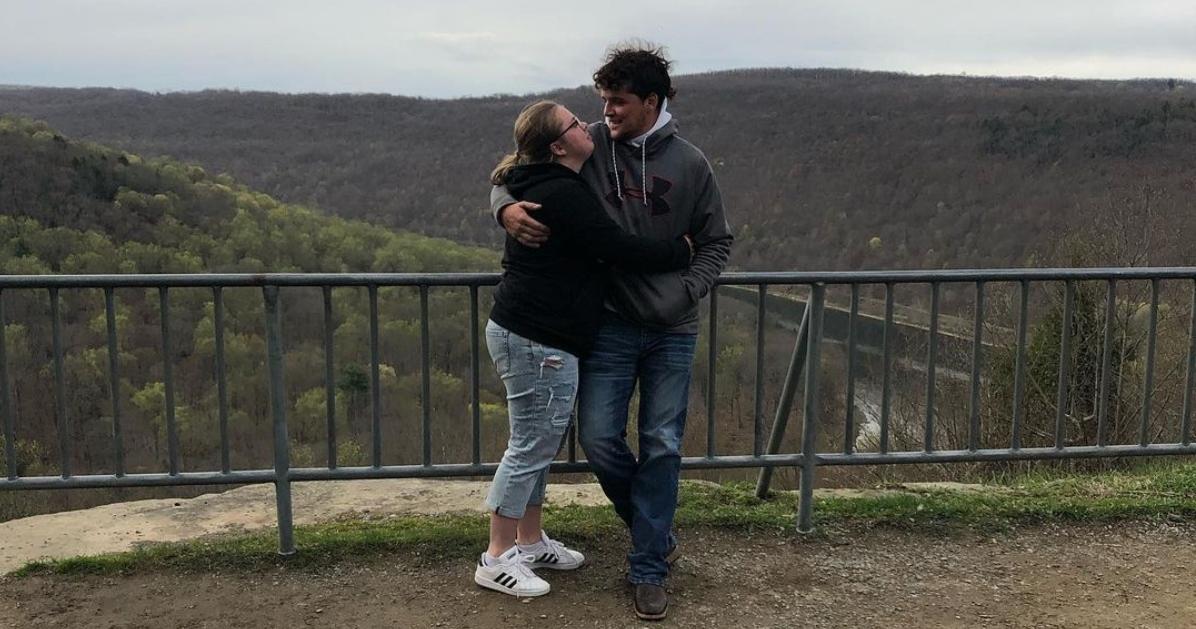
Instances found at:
x=536 y=129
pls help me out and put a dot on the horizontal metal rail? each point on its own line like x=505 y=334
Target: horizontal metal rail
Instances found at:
x=458 y=470
x=209 y=280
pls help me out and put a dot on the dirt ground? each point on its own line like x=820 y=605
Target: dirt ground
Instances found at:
x=121 y=526
x=1133 y=574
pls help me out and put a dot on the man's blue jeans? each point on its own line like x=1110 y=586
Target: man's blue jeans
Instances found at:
x=644 y=489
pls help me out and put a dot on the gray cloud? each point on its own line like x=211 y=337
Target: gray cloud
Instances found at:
x=475 y=47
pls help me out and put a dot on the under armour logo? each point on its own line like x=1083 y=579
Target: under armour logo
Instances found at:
x=655 y=197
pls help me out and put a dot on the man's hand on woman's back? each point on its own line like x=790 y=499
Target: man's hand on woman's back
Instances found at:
x=521 y=226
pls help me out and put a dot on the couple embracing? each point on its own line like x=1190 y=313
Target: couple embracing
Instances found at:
x=615 y=231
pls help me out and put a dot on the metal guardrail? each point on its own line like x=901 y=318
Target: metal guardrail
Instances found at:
x=804 y=366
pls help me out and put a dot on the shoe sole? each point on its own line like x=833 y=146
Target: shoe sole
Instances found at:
x=674 y=556
x=556 y=566
x=497 y=587
x=646 y=616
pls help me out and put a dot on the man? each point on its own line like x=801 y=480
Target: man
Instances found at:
x=653 y=183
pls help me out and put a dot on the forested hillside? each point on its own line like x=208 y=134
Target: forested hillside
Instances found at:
x=70 y=207
x=821 y=169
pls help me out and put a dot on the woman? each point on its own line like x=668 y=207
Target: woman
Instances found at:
x=546 y=311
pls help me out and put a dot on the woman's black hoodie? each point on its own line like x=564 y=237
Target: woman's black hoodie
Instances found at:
x=553 y=294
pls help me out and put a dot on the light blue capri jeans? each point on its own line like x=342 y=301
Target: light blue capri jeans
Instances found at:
x=541 y=384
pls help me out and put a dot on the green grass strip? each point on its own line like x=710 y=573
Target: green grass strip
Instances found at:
x=1156 y=491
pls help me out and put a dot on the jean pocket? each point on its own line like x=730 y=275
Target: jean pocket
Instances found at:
x=500 y=354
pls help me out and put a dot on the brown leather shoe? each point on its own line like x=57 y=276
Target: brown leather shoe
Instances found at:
x=651 y=601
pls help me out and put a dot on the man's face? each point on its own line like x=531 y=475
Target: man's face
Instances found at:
x=628 y=115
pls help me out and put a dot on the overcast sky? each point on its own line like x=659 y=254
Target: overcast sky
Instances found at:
x=452 y=48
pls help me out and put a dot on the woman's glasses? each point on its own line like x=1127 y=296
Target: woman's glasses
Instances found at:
x=575 y=123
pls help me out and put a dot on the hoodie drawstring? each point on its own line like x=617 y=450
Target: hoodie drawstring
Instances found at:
x=615 y=167
x=644 y=170
x=614 y=164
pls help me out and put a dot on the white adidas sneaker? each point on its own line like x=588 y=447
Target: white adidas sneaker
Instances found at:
x=510 y=574
x=551 y=554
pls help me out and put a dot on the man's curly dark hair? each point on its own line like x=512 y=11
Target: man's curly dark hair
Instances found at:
x=638 y=67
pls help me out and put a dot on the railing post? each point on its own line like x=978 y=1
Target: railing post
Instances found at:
x=889 y=339
x=1061 y=400
x=375 y=380
x=711 y=371
x=931 y=366
x=1019 y=369
x=758 y=398
x=221 y=377
x=282 y=454
x=977 y=360
x=1148 y=378
x=118 y=444
x=849 y=428
x=329 y=378
x=172 y=432
x=425 y=367
x=10 y=453
x=475 y=379
x=796 y=361
x=1185 y=429
x=61 y=421
x=1106 y=369
x=809 y=445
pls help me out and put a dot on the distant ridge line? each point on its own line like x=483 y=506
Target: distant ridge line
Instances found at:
x=813 y=73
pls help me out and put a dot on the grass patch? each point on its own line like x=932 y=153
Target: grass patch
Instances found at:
x=1155 y=490
x=1142 y=493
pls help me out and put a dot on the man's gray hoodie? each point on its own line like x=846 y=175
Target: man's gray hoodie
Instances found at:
x=682 y=198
